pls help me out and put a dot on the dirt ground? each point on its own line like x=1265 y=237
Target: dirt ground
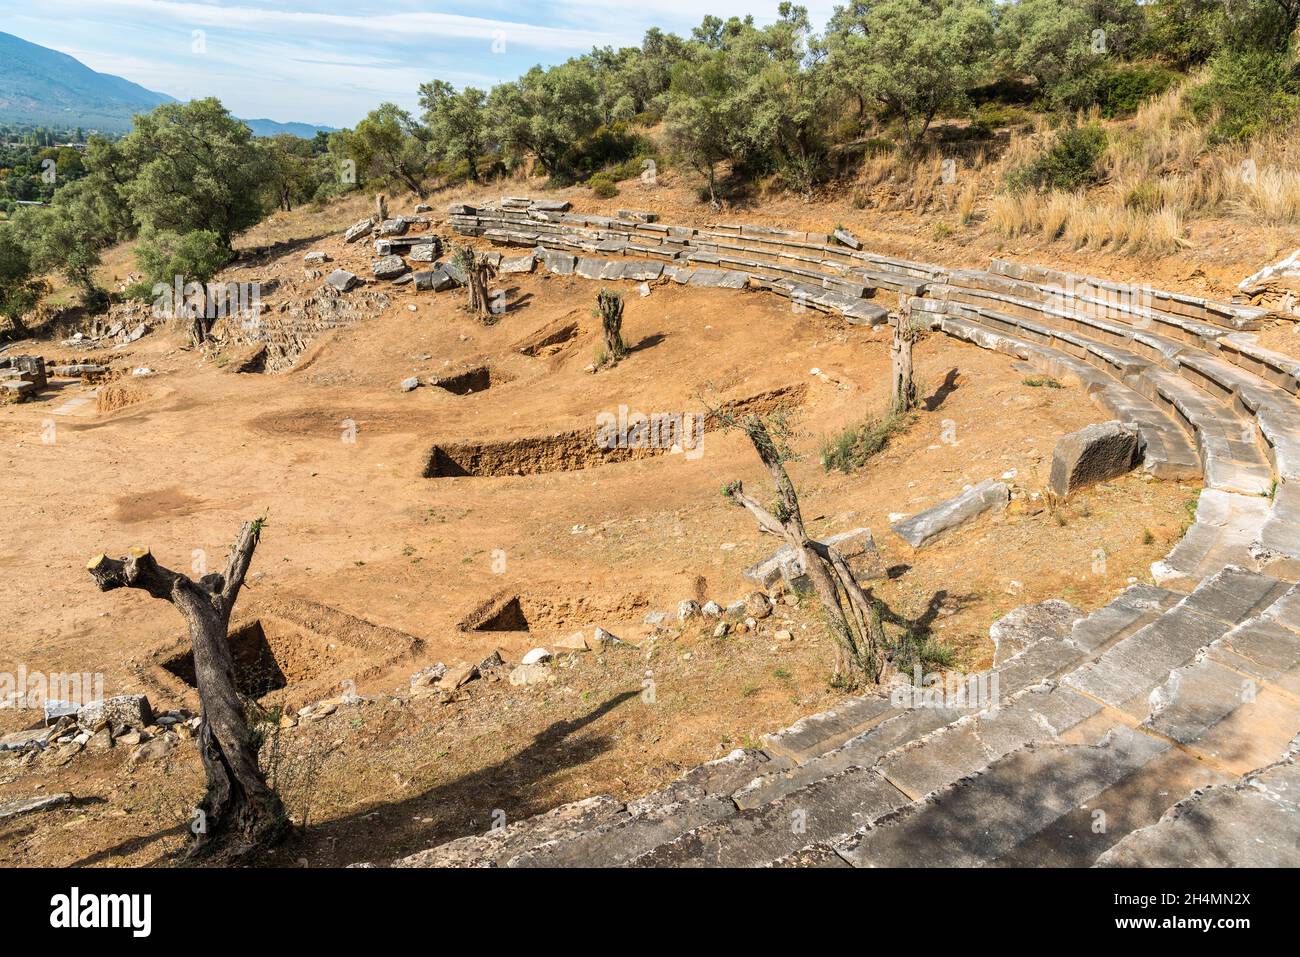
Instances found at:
x=334 y=453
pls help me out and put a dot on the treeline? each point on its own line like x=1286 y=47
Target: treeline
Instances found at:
x=785 y=100
x=778 y=101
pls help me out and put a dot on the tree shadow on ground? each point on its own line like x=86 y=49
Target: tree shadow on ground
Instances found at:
x=946 y=388
x=648 y=342
x=461 y=807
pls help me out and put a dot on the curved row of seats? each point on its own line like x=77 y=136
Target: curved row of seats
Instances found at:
x=1123 y=738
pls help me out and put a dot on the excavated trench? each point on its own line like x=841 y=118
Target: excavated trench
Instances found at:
x=551 y=610
x=584 y=448
x=478 y=379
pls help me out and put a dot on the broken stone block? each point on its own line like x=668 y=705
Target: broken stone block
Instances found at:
x=390 y=267
x=341 y=279
x=425 y=253
x=393 y=227
x=575 y=642
x=857 y=546
x=551 y=205
x=358 y=230
x=28 y=805
x=513 y=264
x=455 y=677
x=120 y=711
x=1021 y=627
x=411 y=384
x=460 y=209
x=687 y=609
x=531 y=675
x=536 y=656
x=926 y=526
x=1091 y=455
x=638 y=215
x=314 y=258
x=846 y=238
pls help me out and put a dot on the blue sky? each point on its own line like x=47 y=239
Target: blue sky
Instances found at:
x=331 y=61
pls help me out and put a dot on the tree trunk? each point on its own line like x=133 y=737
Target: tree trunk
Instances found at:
x=381 y=207
x=477 y=274
x=239 y=812
x=610 y=307
x=850 y=612
x=902 y=392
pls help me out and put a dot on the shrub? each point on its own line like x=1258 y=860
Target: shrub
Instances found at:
x=856 y=445
x=602 y=185
x=195 y=256
x=1071 y=162
x=1123 y=90
x=1247 y=93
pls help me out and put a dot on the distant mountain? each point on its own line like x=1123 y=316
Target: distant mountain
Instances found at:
x=43 y=87
x=273 y=128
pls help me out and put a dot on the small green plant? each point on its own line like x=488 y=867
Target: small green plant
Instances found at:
x=1147 y=537
x=912 y=649
x=1043 y=382
x=858 y=444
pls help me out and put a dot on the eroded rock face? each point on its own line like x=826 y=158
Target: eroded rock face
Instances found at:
x=1022 y=626
x=926 y=526
x=1091 y=455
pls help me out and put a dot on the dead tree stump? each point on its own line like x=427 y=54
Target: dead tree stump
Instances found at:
x=902 y=392
x=609 y=306
x=239 y=812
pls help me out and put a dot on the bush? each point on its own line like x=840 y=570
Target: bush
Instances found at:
x=1121 y=91
x=857 y=444
x=1248 y=92
x=1072 y=161
x=195 y=256
x=602 y=185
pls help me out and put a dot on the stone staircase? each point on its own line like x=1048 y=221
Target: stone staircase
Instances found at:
x=1089 y=738
x=1161 y=729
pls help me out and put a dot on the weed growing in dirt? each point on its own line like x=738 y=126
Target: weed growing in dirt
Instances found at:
x=856 y=445
x=1042 y=382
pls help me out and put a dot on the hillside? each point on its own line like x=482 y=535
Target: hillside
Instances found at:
x=43 y=86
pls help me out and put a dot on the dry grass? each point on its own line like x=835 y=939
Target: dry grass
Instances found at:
x=1083 y=222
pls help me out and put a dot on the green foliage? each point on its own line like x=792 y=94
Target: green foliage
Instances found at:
x=1043 y=382
x=1247 y=93
x=20 y=290
x=916 y=57
x=912 y=650
x=388 y=146
x=856 y=445
x=602 y=185
x=1121 y=90
x=457 y=125
x=1065 y=44
x=194 y=167
x=1070 y=162
x=195 y=256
